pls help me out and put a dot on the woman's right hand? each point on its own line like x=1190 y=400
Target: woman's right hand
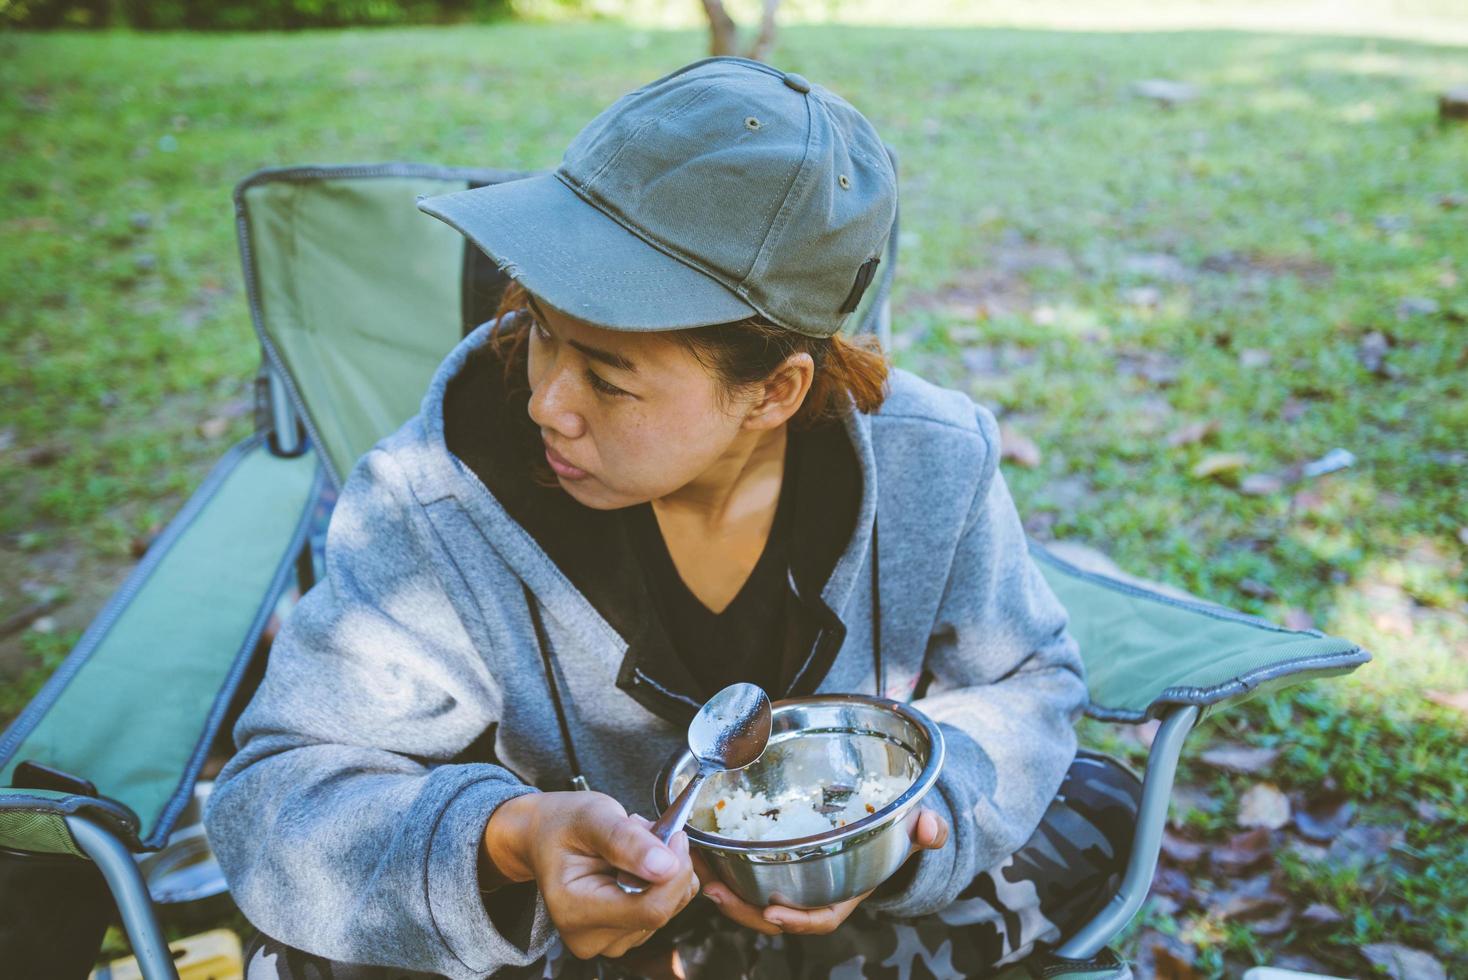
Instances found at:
x=572 y=845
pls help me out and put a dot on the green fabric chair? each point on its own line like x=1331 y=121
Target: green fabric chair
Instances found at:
x=356 y=297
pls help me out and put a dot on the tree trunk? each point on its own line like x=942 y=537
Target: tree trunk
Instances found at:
x=723 y=35
x=760 y=49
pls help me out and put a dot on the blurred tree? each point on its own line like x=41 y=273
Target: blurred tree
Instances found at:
x=724 y=33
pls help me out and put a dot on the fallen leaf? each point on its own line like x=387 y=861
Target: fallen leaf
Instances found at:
x=1217 y=465
x=1251 y=898
x=1263 y=805
x=1192 y=433
x=1414 y=306
x=1372 y=351
x=1246 y=759
x=1243 y=851
x=42 y=456
x=1320 y=914
x=1255 y=589
x=1457 y=700
x=1167 y=965
x=1363 y=845
x=1164 y=957
x=1260 y=485
x=144 y=541
x=1404 y=962
x=1183 y=853
x=1395 y=622
x=1275 y=924
x=1018 y=448
x=1254 y=357
x=1146 y=297
x=1428 y=812
x=1324 y=817
x=1174 y=884
x=1298 y=619
x=1309 y=853
x=213 y=428
x=1186 y=799
x=1165 y=91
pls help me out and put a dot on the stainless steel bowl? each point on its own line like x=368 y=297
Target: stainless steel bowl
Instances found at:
x=818 y=741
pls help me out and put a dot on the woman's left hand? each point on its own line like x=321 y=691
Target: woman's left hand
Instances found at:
x=929 y=833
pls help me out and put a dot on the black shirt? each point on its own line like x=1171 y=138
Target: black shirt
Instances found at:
x=745 y=641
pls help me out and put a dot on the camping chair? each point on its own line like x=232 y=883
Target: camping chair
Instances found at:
x=356 y=297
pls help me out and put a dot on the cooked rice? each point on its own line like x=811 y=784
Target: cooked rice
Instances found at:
x=742 y=815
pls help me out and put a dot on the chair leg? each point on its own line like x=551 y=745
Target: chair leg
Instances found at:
x=1146 y=842
x=128 y=888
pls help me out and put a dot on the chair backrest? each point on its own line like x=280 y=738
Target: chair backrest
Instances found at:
x=357 y=295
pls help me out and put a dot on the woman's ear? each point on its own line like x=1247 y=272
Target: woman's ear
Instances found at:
x=780 y=395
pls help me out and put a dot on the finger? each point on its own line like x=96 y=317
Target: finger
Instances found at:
x=931 y=832
x=803 y=922
x=812 y=922
x=628 y=846
x=738 y=910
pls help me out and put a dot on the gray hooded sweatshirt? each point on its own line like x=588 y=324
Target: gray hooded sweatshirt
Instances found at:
x=349 y=822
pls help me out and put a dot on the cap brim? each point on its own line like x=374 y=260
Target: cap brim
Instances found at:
x=582 y=262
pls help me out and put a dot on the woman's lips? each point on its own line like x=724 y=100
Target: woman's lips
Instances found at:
x=563 y=468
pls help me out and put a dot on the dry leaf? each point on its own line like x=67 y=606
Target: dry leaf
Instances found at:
x=1255 y=589
x=1251 y=898
x=1263 y=805
x=213 y=428
x=1018 y=448
x=1360 y=846
x=1260 y=485
x=1191 y=433
x=1457 y=700
x=1404 y=962
x=1372 y=354
x=1183 y=853
x=1217 y=465
x=1243 y=851
x=1324 y=817
x=1254 y=357
x=1320 y=914
x=1298 y=619
x=1240 y=758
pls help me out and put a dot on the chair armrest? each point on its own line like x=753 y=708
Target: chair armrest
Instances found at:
x=1146 y=650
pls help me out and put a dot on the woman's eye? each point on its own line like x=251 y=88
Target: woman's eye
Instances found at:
x=603 y=386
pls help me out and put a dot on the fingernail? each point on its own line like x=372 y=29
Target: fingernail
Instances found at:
x=659 y=861
x=714 y=897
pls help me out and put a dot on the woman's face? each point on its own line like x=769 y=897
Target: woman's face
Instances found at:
x=625 y=417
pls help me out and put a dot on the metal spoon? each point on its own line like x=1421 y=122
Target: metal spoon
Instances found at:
x=730 y=731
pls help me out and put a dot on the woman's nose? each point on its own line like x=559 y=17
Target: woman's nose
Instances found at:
x=552 y=404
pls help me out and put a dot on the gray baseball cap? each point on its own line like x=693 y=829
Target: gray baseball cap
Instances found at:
x=724 y=189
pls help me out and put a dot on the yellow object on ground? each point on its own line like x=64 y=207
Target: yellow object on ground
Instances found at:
x=213 y=955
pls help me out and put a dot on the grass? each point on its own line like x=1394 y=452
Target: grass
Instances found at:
x=1100 y=270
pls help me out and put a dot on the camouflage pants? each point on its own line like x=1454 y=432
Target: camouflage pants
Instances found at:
x=1062 y=875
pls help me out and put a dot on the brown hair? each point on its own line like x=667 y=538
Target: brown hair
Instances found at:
x=849 y=373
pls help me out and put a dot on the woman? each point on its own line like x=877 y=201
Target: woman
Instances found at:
x=657 y=471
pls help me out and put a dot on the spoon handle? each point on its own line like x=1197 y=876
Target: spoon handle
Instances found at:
x=672 y=821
